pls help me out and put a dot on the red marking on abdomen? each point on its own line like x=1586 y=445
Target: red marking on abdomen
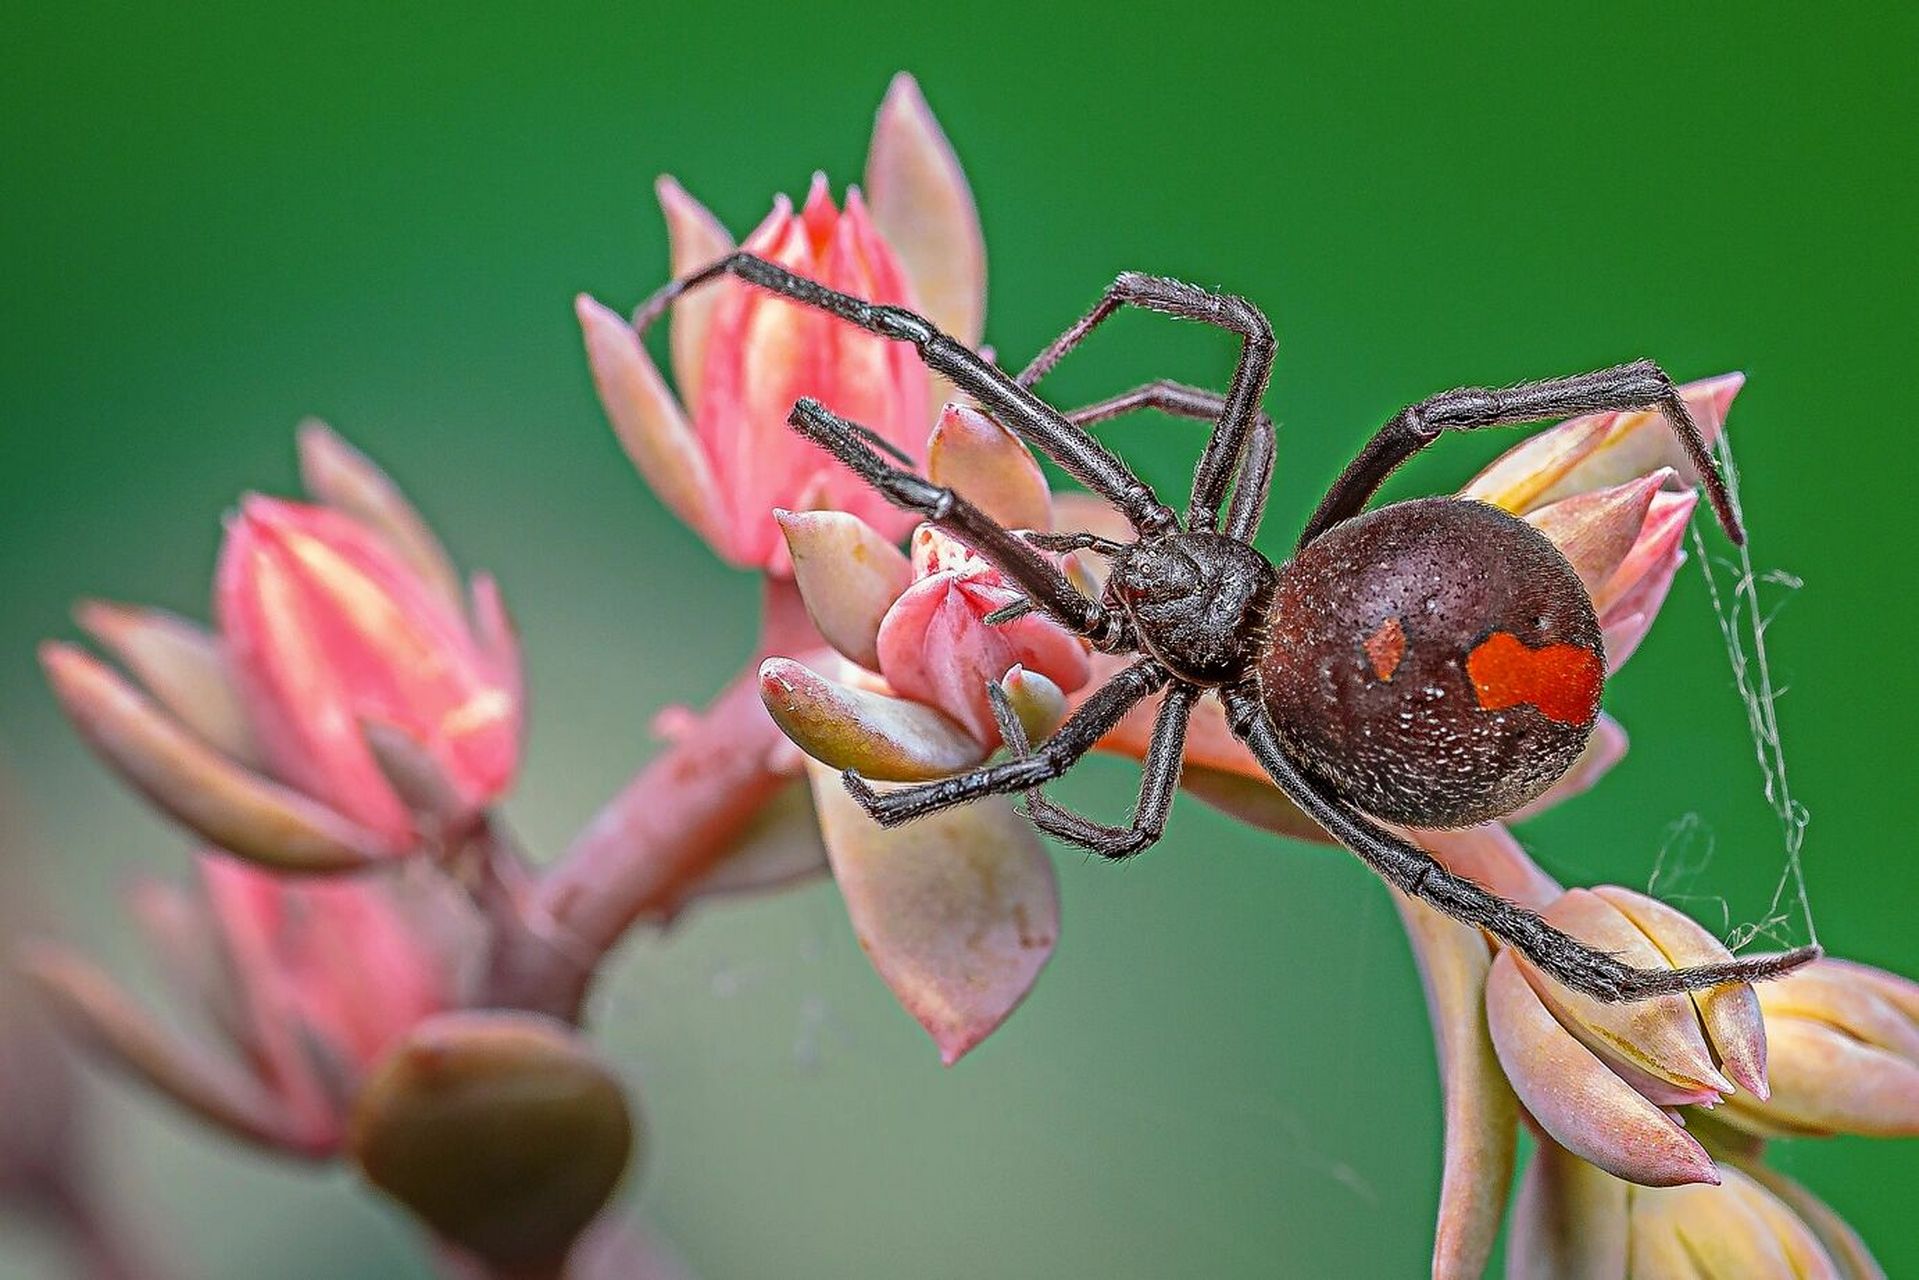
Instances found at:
x=1385 y=647
x=1562 y=680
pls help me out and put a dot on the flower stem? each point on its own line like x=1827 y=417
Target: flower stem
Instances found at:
x=672 y=823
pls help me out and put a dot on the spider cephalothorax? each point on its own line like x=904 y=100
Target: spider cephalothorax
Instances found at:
x=1431 y=663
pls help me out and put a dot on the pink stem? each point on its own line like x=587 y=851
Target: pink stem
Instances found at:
x=677 y=818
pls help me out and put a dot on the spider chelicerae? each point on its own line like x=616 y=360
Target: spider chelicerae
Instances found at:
x=1433 y=663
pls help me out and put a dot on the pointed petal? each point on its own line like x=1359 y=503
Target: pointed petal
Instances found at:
x=1570 y=1221
x=1824 y=1081
x=1596 y=530
x=987 y=465
x=343 y=478
x=95 y=1011
x=886 y=738
x=650 y=423
x=1730 y=1014
x=1659 y=549
x=235 y=809
x=1847 y=997
x=1848 y=1252
x=1805 y=1254
x=1482 y=1116
x=1038 y=702
x=1606 y=748
x=1585 y=1107
x=848 y=575
x=178 y=929
x=1660 y=1037
x=695 y=239
x=958 y=912
x=181 y=665
x=925 y=210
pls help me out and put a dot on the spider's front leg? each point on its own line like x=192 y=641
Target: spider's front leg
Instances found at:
x=1095 y=718
x=1158 y=782
x=1045 y=586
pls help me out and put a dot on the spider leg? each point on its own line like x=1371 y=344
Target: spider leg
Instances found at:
x=1045 y=586
x=1417 y=873
x=1182 y=401
x=1243 y=394
x=1035 y=421
x=1623 y=388
x=1094 y=719
x=1159 y=781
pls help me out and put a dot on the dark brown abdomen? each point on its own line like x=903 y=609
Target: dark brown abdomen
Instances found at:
x=1436 y=662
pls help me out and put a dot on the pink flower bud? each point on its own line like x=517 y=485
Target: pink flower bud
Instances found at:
x=1602 y=1077
x=300 y=985
x=936 y=647
x=328 y=631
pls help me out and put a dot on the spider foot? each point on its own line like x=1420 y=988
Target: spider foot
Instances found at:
x=883 y=807
x=1064 y=542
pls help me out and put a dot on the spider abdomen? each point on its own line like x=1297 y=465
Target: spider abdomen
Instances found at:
x=1437 y=662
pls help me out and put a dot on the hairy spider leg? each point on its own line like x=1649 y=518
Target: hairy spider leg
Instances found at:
x=1159 y=782
x=1640 y=385
x=1236 y=416
x=1183 y=401
x=1086 y=726
x=1418 y=874
x=1031 y=418
x=1045 y=586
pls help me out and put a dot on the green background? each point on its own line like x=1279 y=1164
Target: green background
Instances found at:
x=219 y=219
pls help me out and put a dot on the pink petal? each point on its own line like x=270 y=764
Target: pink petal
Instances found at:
x=1824 y=1081
x=1660 y=1037
x=695 y=239
x=922 y=205
x=194 y=785
x=651 y=425
x=181 y=665
x=958 y=911
x=936 y=647
x=885 y=738
x=1657 y=550
x=100 y=1015
x=1595 y=530
x=1482 y=1116
x=848 y=575
x=987 y=465
x=340 y=476
x=327 y=629
x=1730 y=1014
x=1576 y=1098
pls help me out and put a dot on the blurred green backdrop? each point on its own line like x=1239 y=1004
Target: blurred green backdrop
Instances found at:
x=218 y=219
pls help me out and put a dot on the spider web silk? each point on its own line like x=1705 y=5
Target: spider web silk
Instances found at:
x=1743 y=623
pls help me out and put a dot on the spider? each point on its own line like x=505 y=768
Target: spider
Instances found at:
x=1432 y=663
